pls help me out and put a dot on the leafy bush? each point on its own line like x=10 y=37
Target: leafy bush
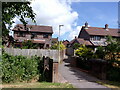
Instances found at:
x=20 y=68
x=56 y=46
x=113 y=70
x=100 y=52
x=76 y=46
x=113 y=74
x=29 y=45
x=84 y=52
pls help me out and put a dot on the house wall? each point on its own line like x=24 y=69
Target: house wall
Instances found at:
x=28 y=36
x=84 y=34
x=38 y=36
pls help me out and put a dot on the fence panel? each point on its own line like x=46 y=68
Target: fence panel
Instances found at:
x=53 y=54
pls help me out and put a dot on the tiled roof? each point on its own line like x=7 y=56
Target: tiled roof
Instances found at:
x=102 y=31
x=55 y=39
x=81 y=41
x=33 y=28
x=66 y=42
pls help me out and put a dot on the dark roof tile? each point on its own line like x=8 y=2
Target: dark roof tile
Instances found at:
x=33 y=28
x=81 y=41
x=102 y=31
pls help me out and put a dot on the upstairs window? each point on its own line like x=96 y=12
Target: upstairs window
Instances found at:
x=95 y=38
x=45 y=35
x=21 y=34
x=33 y=35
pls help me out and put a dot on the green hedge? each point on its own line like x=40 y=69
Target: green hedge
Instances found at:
x=113 y=72
x=20 y=68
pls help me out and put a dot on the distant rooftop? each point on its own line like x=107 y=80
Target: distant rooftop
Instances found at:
x=33 y=28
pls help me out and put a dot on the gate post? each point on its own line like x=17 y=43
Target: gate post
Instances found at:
x=55 y=72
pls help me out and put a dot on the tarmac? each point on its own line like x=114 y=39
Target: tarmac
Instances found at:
x=77 y=78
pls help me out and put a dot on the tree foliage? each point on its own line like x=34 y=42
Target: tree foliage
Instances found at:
x=111 y=51
x=84 y=52
x=112 y=48
x=12 y=9
x=76 y=46
x=56 y=46
x=100 y=52
x=29 y=45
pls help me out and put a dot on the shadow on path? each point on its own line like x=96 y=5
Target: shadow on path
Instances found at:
x=78 y=78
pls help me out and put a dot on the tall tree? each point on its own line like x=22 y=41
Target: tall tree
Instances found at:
x=12 y=9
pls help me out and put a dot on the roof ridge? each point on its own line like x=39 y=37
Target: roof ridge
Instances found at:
x=35 y=25
x=103 y=27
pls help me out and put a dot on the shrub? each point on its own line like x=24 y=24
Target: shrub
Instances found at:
x=100 y=52
x=19 y=68
x=29 y=45
x=113 y=70
x=56 y=46
x=113 y=74
x=84 y=52
x=76 y=46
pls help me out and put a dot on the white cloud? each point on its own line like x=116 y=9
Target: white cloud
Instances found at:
x=95 y=0
x=75 y=32
x=54 y=13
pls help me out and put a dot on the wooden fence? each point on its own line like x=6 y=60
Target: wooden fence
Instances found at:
x=53 y=54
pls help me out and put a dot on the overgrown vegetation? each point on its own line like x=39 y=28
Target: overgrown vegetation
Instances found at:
x=111 y=53
x=76 y=46
x=29 y=45
x=10 y=10
x=56 y=46
x=20 y=68
x=84 y=52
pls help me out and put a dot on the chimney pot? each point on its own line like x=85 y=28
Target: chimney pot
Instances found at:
x=86 y=25
x=106 y=26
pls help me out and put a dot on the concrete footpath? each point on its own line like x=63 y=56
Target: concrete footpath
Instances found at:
x=77 y=78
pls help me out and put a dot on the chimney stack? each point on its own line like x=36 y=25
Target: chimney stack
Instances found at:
x=86 y=25
x=106 y=26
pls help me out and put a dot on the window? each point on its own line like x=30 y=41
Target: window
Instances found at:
x=97 y=38
x=33 y=35
x=21 y=34
x=45 y=35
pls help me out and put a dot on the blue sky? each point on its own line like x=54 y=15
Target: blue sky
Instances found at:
x=97 y=14
x=73 y=14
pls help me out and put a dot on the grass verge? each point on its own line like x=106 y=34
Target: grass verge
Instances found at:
x=37 y=85
x=110 y=84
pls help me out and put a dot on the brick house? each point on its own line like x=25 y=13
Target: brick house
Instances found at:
x=95 y=36
x=66 y=43
x=41 y=35
x=54 y=41
x=80 y=41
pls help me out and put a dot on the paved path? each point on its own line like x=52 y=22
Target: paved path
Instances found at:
x=77 y=78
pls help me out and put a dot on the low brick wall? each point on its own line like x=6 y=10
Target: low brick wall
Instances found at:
x=96 y=67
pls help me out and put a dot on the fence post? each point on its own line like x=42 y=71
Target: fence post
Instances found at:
x=55 y=72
